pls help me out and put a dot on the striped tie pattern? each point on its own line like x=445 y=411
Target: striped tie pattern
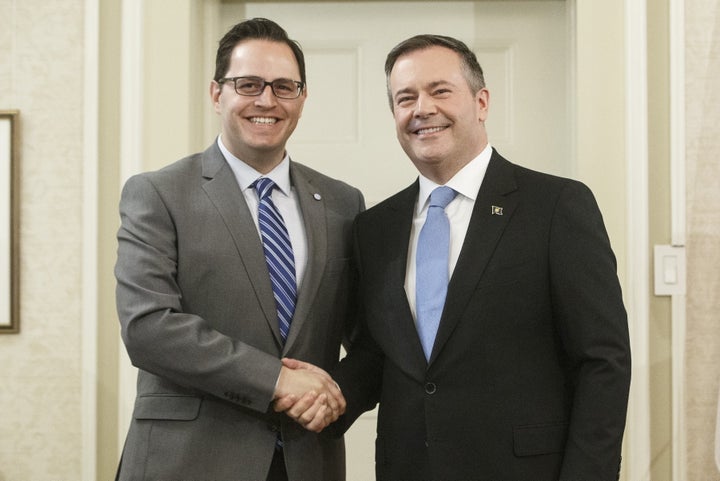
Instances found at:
x=278 y=254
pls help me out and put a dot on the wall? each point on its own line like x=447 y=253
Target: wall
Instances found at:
x=702 y=29
x=600 y=117
x=41 y=75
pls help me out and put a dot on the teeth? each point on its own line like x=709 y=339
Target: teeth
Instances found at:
x=263 y=120
x=431 y=130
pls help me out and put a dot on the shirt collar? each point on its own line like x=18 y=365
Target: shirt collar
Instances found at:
x=246 y=175
x=466 y=181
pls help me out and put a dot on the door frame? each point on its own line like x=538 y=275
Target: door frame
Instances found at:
x=635 y=242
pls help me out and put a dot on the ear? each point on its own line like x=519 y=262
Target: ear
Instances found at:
x=482 y=103
x=302 y=98
x=215 y=90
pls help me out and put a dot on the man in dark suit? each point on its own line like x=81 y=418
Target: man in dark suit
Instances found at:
x=511 y=361
x=210 y=295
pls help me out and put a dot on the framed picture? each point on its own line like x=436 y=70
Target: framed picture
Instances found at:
x=9 y=223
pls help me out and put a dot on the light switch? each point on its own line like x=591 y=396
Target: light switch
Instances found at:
x=669 y=270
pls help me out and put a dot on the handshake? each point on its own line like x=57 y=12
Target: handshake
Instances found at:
x=307 y=394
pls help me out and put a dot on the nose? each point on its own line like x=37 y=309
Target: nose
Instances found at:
x=266 y=97
x=424 y=105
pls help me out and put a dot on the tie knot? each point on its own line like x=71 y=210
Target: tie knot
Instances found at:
x=442 y=196
x=264 y=187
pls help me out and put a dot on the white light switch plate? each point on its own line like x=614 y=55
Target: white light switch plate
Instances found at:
x=669 y=270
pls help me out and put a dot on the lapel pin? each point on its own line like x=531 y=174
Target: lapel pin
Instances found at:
x=317 y=196
x=496 y=210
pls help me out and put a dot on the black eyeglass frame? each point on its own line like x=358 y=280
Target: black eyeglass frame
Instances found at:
x=264 y=83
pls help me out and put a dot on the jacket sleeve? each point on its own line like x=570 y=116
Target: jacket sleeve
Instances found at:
x=592 y=324
x=159 y=336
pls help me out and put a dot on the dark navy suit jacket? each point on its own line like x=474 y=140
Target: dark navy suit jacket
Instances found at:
x=530 y=372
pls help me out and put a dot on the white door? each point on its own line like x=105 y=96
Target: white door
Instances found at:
x=347 y=130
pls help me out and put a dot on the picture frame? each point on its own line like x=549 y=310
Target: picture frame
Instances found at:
x=9 y=223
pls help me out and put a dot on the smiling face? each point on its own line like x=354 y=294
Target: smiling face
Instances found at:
x=440 y=122
x=256 y=129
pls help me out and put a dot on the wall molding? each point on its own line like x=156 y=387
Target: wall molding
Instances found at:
x=131 y=162
x=678 y=227
x=638 y=248
x=89 y=283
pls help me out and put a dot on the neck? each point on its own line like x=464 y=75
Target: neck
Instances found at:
x=263 y=162
x=441 y=173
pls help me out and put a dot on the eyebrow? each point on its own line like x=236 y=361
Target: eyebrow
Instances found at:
x=431 y=85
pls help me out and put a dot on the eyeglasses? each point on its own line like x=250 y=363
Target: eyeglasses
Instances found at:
x=253 y=86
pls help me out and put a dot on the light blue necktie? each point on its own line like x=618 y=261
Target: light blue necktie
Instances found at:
x=433 y=252
x=278 y=254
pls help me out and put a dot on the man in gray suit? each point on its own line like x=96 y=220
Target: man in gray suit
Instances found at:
x=203 y=314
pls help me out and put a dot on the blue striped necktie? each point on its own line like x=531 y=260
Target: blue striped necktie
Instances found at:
x=431 y=281
x=278 y=254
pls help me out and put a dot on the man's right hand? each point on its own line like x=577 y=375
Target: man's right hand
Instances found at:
x=308 y=394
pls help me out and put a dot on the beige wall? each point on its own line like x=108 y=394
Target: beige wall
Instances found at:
x=703 y=240
x=600 y=118
x=41 y=74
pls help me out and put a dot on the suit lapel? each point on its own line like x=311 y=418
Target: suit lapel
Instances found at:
x=224 y=192
x=312 y=206
x=399 y=322
x=493 y=209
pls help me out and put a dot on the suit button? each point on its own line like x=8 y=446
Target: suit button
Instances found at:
x=430 y=388
x=274 y=428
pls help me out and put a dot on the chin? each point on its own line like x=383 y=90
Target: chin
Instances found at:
x=425 y=161
x=430 y=157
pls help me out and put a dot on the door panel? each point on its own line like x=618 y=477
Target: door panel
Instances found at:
x=347 y=130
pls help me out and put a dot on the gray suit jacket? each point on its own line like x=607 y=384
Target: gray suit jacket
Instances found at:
x=198 y=319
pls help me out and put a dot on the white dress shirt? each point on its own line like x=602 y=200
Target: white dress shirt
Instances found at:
x=284 y=197
x=467 y=184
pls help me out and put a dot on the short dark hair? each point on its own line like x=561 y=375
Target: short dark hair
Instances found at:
x=255 y=28
x=471 y=67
